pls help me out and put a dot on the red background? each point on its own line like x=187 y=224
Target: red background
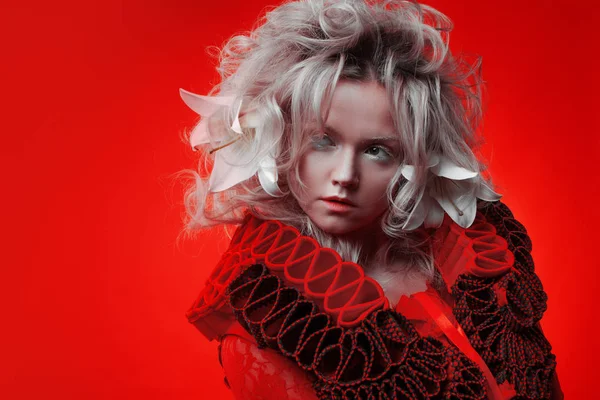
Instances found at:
x=94 y=285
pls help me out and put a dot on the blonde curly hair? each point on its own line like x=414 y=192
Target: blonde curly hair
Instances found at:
x=286 y=69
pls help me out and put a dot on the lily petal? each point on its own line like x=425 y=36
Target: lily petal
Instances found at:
x=204 y=105
x=455 y=196
x=447 y=169
x=408 y=171
x=236 y=126
x=250 y=119
x=435 y=216
x=233 y=164
x=267 y=176
x=417 y=215
x=484 y=192
x=199 y=134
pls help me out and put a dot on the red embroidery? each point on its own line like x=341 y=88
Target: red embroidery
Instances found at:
x=382 y=356
x=340 y=288
x=500 y=315
x=500 y=294
x=476 y=250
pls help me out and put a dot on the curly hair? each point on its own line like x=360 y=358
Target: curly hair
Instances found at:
x=286 y=69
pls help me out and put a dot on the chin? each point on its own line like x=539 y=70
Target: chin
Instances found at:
x=338 y=228
x=350 y=227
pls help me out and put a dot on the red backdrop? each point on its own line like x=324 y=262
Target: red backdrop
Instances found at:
x=95 y=287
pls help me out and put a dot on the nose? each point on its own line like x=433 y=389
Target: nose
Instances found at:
x=345 y=171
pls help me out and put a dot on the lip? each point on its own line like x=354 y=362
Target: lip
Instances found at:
x=338 y=204
x=336 y=199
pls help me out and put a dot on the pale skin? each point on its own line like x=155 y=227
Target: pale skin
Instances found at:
x=353 y=159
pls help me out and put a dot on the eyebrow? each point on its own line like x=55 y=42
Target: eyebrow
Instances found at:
x=331 y=130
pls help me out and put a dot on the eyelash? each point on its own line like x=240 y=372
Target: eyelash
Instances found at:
x=318 y=144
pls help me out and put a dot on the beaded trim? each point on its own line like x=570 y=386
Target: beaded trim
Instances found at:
x=382 y=358
x=500 y=315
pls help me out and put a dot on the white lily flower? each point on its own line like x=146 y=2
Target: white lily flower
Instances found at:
x=450 y=189
x=234 y=162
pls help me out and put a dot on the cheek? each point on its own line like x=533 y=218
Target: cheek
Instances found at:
x=379 y=198
x=376 y=186
x=311 y=170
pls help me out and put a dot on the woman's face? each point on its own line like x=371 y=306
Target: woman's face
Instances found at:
x=349 y=165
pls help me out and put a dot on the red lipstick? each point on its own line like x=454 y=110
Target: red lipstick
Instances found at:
x=338 y=204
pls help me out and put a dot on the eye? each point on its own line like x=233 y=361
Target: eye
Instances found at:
x=379 y=152
x=322 y=142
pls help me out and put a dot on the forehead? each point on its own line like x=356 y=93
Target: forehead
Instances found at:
x=360 y=109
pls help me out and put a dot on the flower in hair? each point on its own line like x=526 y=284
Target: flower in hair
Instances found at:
x=450 y=189
x=235 y=161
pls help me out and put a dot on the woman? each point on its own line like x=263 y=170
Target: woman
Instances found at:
x=371 y=258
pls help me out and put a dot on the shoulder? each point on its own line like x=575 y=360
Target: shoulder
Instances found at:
x=210 y=312
x=491 y=261
x=501 y=311
x=481 y=250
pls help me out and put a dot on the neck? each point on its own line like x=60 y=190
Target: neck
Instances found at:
x=370 y=239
